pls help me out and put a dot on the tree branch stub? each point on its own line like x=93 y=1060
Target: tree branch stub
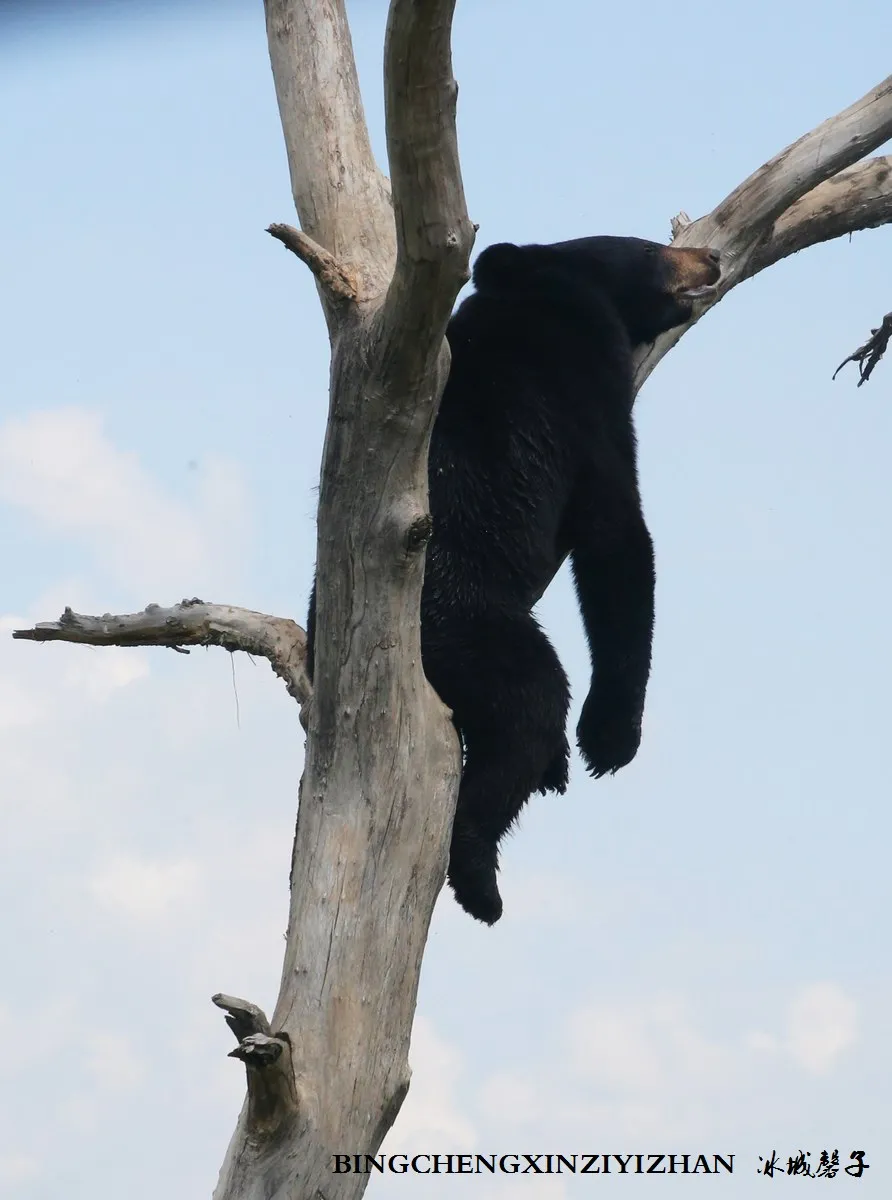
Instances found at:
x=273 y=1103
x=341 y=197
x=243 y=1018
x=868 y=355
x=334 y=279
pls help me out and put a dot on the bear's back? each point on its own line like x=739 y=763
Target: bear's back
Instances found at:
x=538 y=381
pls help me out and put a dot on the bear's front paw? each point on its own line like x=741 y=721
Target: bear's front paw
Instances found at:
x=608 y=733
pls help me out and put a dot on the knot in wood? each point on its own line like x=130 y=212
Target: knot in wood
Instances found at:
x=419 y=533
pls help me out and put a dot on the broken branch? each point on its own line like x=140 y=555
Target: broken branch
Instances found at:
x=335 y=279
x=243 y=1018
x=342 y=198
x=190 y=623
x=868 y=355
x=272 y=1091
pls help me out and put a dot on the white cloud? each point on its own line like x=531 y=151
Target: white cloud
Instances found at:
x=757 y=1040
x=822 y=1023
x=431 y=1118
x=113 y=1063
x=79 y=1113
x=57 y=1022
x=644 y=1068
x=17 y=1168
x=19 y=703
x=17 y=708
x=98 y=672
x=60 y=466
x=637 y=1070
x=35 y=679
x=144 y=890
x=617 y=1047
x=530 y=1188
x=643 y=1049
x=510 y=1096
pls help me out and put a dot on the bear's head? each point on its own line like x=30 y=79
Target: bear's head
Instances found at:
x=653 y=287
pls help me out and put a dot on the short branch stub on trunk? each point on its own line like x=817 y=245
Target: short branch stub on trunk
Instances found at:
x=333 y=278
x=272 y=1093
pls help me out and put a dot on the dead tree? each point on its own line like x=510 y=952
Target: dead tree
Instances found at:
x=329 y=1072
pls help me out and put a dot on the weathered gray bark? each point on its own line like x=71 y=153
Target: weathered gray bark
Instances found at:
x=328 y=1074
x=382 y=759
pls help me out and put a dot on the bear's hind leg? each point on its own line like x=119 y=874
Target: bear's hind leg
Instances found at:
x=509 y=697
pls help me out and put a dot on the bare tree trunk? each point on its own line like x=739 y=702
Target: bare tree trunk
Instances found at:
x=382 y=758
x=328 y=1073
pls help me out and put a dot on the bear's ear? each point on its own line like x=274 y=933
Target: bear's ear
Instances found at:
x=500 y=267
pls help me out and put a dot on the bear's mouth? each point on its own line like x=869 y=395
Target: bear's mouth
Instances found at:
x=698 y=293
x=692 y=274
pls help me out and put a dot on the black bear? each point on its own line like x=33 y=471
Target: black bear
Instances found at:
x=532 y=458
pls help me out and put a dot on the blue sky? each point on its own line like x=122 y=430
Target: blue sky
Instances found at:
x=694 y=954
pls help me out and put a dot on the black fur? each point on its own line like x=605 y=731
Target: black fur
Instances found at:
x=533 y=457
